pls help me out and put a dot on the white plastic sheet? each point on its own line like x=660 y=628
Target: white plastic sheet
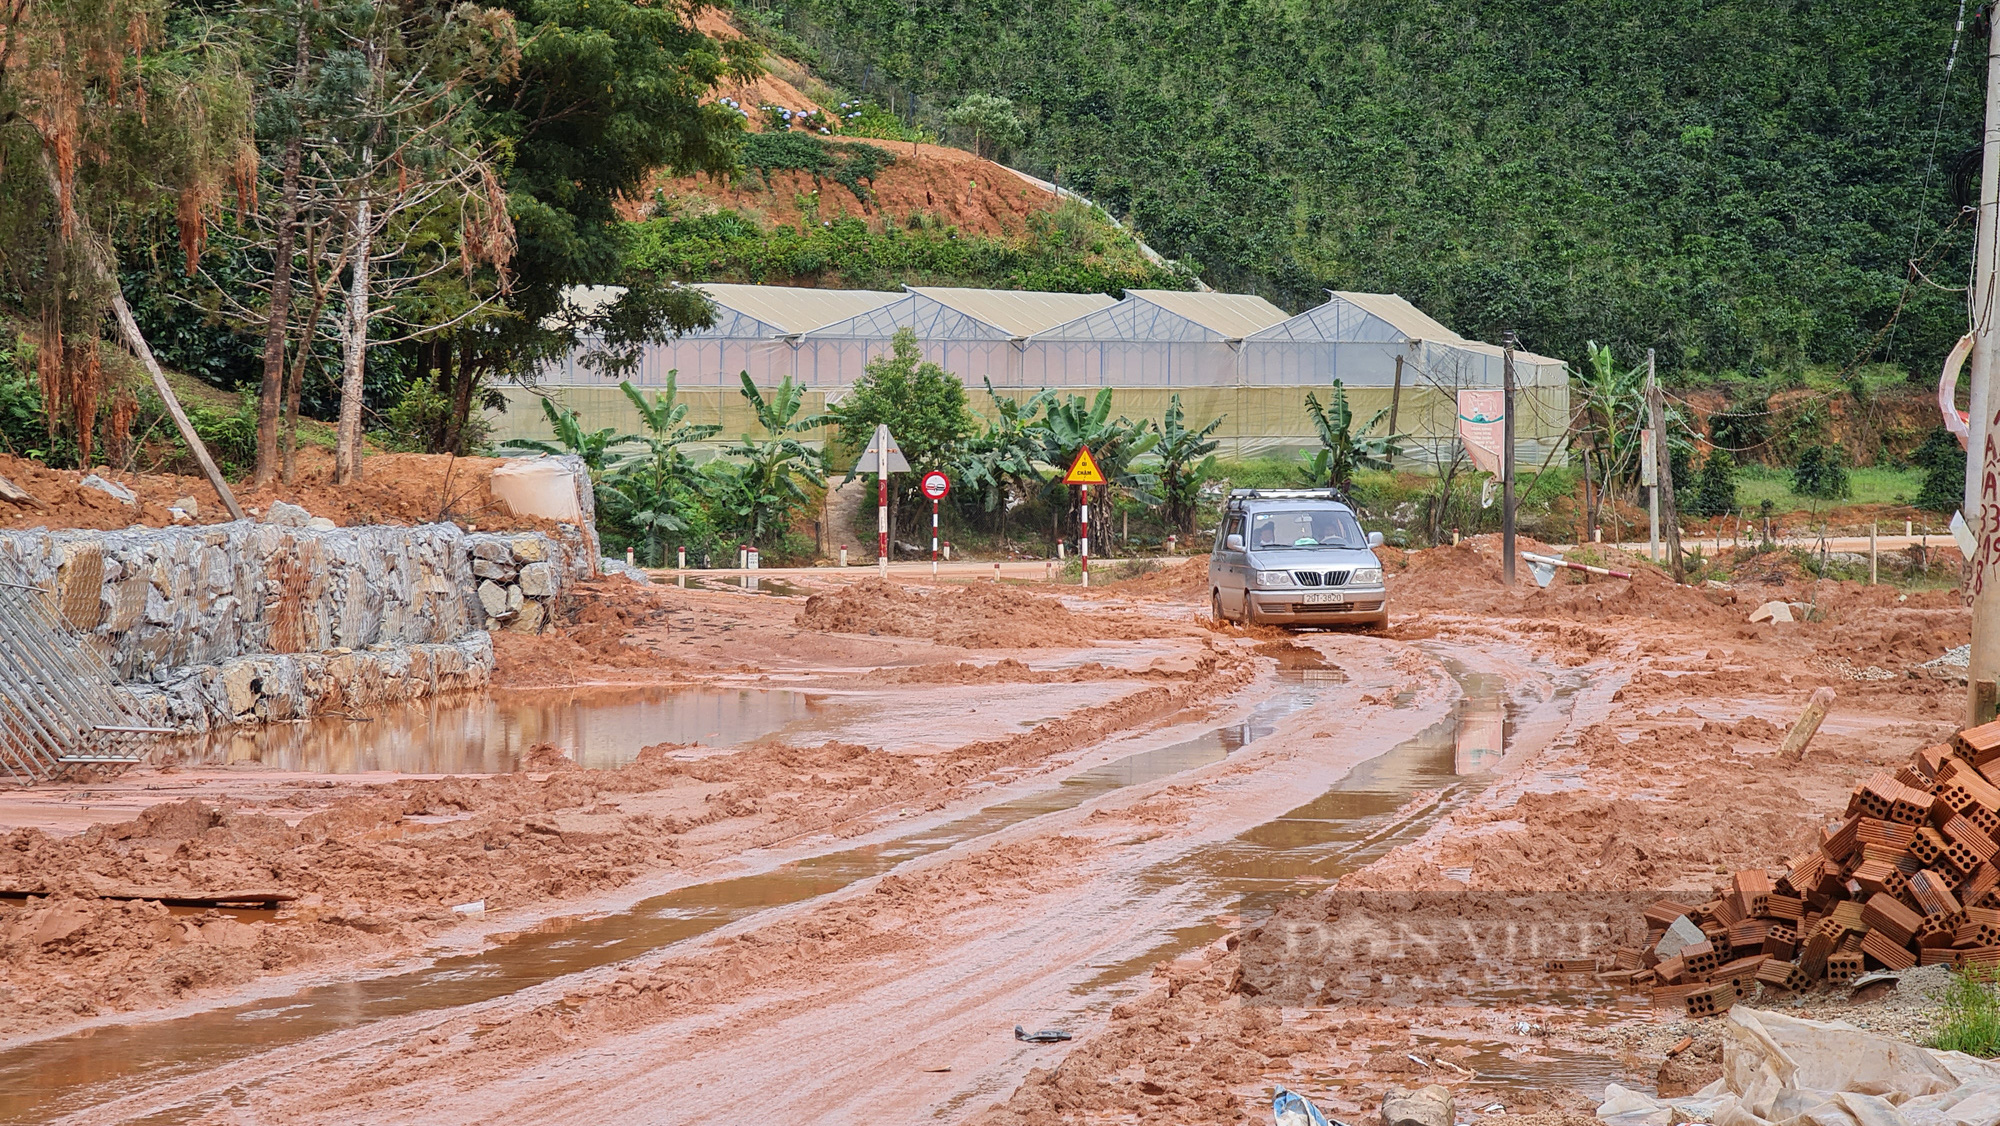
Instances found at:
x=1787 y=1071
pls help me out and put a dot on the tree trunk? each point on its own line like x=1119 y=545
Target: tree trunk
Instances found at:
x=354 y=337
x=271 y=394
x=461 y=396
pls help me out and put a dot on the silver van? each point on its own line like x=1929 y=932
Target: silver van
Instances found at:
x=1295 y=557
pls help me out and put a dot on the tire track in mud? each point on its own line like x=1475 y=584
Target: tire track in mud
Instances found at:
x=899 y=918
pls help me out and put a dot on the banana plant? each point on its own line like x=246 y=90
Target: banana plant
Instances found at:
x=1006 y=457
x=656 y=487
x=1346 y=451
x=1187 y=461
x=763 y=488
x=1071 y=423
x=592 y=446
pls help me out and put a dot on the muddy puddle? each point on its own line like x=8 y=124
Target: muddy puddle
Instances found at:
x=489 y=734
x=51 y=1077
x=743 y=584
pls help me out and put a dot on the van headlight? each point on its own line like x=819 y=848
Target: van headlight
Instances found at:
x=1366 y=576
x=1274 y=578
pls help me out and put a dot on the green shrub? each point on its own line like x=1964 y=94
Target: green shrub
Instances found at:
x=1943 y=465
x=24 y=429
x=1715 y=487
x=1821 y=473
x=1969 y=1019
x=231 y=437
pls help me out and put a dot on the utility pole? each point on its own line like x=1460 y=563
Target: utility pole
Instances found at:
x=1649 y=474
x=1982 y=471
x=1396 y=398
x=1663 y=489
x=1507 y=464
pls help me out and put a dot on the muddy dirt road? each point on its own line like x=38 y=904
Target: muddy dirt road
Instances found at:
x=818 y=852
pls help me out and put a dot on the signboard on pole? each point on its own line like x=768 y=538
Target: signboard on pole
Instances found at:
x=882 y=457
x=937 y=486
x=1083 y=469
x=871 y=458
x=1482 y=427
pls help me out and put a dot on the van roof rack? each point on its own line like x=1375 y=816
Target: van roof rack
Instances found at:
x=1325 y=492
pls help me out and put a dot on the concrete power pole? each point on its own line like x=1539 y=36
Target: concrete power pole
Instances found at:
x=1665 y=513
x=1507 y=464
x=1982 y=470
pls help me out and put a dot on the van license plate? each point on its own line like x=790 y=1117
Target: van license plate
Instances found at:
x=1323 y=598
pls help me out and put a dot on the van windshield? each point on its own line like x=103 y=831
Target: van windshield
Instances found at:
x=1305 y=527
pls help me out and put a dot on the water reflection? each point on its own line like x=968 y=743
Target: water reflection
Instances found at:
x=487 y=734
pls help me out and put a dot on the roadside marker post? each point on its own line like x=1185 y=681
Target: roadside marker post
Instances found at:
x=1083 y=473
x=937 y=486
x=682 y=556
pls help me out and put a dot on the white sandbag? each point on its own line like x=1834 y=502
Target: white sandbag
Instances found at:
x=538 y=486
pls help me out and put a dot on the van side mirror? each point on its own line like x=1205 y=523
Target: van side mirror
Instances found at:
x=1374 y=539
x=1233 y=543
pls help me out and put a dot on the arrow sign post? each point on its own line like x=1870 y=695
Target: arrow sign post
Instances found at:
x=1083 y=473
x=937 y=486
x=882 y=457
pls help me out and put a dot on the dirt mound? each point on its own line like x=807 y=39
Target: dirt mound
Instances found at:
x=980 y=616
x=396 y=489
x=592 y=644
x=1467 y=578
x=1186 y=578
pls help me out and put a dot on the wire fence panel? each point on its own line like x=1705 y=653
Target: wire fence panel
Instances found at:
x=61 y=708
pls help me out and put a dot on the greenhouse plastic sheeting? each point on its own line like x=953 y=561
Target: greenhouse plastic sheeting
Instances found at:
x=1787 y=1071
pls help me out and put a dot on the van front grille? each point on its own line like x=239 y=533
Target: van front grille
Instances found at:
x=1321 y=578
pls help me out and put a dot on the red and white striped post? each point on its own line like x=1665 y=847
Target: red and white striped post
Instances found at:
x=882 y=513
x=1083 y=538
x=934 y=539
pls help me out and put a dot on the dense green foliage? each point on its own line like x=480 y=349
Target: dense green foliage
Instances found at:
x=1737 y=183
x=922 y=404
x=854 y=167
x=1187 y=462
x=1714 y=492
x=1062 y=252
x=1821 y=473
x=1943 y=464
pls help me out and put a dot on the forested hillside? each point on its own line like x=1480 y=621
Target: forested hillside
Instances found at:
x=1739 y=183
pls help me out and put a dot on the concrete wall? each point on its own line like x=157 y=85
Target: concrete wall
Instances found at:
x=242 y=622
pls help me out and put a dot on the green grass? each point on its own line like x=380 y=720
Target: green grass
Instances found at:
x=1872 y=485
x=1969 y=1018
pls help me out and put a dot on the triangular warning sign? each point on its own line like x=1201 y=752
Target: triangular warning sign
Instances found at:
x=1084 y=471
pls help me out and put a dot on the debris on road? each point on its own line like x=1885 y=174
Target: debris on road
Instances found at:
x=1288 y=1108
x=1777 y=1068
x=1907 y=878
x=1772 y=612
x=1425 y=1106
x=1043 y=1036
x=1794 y=746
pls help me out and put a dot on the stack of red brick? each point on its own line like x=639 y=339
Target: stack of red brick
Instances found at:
x=1907 y=877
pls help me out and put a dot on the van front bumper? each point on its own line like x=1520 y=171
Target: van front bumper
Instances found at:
x=1360 y=604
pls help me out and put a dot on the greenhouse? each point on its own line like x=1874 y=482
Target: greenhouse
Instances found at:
x=1235 y=356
